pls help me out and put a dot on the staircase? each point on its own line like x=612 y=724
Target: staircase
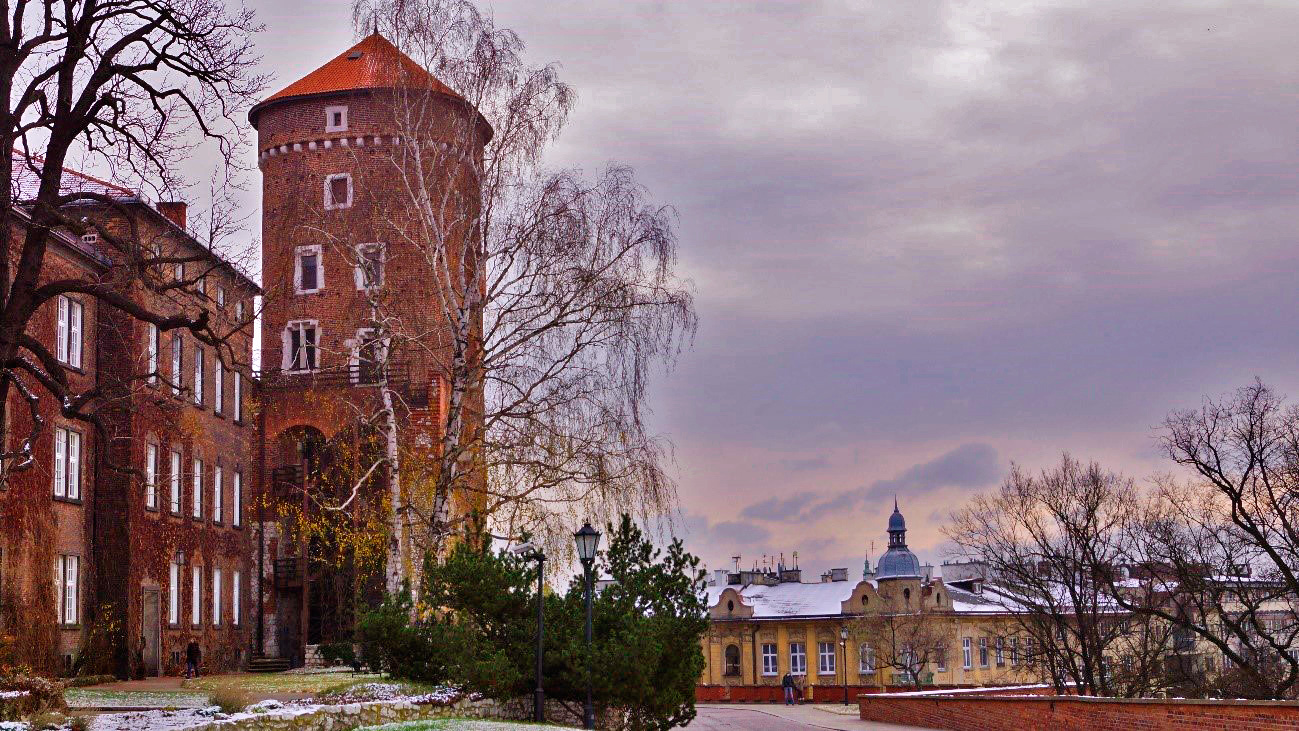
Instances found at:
x=264 y=664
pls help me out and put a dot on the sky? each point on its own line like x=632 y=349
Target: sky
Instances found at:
x=928 y=238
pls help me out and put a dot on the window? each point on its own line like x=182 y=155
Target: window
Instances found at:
x=239 y=396
x=1000 y=652
x=797 y=658
x=237 y=501
x=338 y=191
x=173 y=595
x=66 y=569
x=865 y=659
x=825 y=655
x=196 y=596
x=179 y=270
x=201 y=284
x=218 y=386
x=1029 y=658
x=336 y=119
x=198 y=376
x=236 y=599
x=940 y=658
x=177 y=348
x=731 y=661
x=198 y=488
x=216 y=597
x=983 y=652
x=151 y=476
x=175 y=482
x=151 y=348
x=769 y=658
x=1014 y=651
x=966 y=659
x=218 y=506
x=308 y=270
x=239 y=311
x=370 y=354
x=369 y=266
x=69 y=341
x=67 y=464
x=221 y=296
x=301 y=341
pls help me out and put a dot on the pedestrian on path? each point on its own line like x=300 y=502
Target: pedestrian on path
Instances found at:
x=193 y=657
x=788 y=683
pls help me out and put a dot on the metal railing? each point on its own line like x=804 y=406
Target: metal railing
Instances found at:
x=354 y=375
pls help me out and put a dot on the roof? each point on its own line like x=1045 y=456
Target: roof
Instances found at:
x=374 y=63
x=790 y=599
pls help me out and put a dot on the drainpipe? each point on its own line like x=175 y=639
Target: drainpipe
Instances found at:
x=753 y=648
x=261 y=532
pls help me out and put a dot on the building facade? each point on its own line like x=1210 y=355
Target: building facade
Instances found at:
x=899 y=628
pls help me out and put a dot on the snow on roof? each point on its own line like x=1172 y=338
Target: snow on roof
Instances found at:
x=792 y=600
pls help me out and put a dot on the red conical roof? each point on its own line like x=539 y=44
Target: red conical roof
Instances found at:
x=374 y=63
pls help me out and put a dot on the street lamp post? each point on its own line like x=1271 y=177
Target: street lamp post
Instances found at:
x=527 y=550
x=588 y=540
x=843 y=642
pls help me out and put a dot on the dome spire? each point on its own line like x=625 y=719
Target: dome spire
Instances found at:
x=898 y=562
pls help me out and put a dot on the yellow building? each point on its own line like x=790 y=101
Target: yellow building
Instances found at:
x=899 y=628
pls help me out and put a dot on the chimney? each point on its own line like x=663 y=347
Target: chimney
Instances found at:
x=174 y=211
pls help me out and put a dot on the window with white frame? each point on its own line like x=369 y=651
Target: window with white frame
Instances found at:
x=825 y=655
x=177 y=350
x=983 y=652
x=197 y=511
x=1029 y=657
x=999 y=649
x=797 y=658
x=175 y=482
x=151 y=347
x=338 y=191
x=67 y=463
x=239 y=311
x=236 y=599
x=196 y=595
x=967 y=658
x=336 y=119
x=237 y=499
x=239 y=397
x=179 y=270
x=221 y=296
x=198 y=375
x=173 y=595
x=940 y=657
x=301 y=346
x=216 y=596
x=865 y=659
x=368 y=354
x=308 y=270
x=66 y=576
x=218 y=502
x=1014 y=651
x=369 y=265
x=68 y=346
x=769 y=658
x=151 y=476
x=218 y=386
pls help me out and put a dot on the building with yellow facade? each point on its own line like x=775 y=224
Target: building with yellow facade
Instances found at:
x=899 y=628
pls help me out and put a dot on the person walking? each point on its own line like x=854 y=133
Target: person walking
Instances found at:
x=788 y=683
x=193 y=657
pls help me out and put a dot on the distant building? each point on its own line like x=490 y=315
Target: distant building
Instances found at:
x=898 y=629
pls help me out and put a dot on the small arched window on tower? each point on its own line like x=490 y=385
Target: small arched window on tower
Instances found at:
x=336 y=119
x=300 y=345
x=308 y=270
x=732 y=661
x=338 y=191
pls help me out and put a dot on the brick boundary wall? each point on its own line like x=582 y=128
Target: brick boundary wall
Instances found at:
x=1065 y=713
x=705 y=693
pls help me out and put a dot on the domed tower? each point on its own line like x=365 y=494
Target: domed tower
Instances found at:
x=351 y=155
x=898 y=562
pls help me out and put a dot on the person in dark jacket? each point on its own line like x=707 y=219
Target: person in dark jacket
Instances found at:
x=193 y=657
x=788 y=683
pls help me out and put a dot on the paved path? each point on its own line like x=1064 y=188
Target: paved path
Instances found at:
x=776 y=717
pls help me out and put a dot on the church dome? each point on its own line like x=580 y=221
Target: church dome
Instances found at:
x=898 y=562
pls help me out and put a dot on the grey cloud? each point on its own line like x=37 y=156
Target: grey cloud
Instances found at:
x=779 y=509
x=726 y=535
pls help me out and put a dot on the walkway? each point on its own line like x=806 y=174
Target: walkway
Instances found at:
x=776 y=717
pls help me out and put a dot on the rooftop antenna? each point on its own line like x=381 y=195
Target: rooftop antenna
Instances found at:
x=795 y=559
x=736 y=559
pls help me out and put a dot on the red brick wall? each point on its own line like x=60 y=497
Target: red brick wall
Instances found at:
x=1056 y=713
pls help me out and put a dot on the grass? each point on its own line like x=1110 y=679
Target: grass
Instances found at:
x=302 y=684
x=95 y=698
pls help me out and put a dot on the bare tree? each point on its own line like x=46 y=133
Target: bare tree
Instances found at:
x=1050 y=541
x=906 y=634
x=126 y=86
x=556 y=296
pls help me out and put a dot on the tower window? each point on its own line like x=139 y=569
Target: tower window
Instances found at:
x=336 y=119
x=308 y=274
x=301 y=346
x=369 y=266
x=338 y=191
x=370 y=355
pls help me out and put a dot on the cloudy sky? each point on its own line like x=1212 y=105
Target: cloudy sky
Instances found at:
x=929 y=238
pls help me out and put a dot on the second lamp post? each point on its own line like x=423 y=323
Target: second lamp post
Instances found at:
x=588 y=540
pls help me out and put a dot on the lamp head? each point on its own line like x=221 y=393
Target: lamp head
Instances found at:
x=588 y=541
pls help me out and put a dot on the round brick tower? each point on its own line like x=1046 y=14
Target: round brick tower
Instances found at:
x=343 y=247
